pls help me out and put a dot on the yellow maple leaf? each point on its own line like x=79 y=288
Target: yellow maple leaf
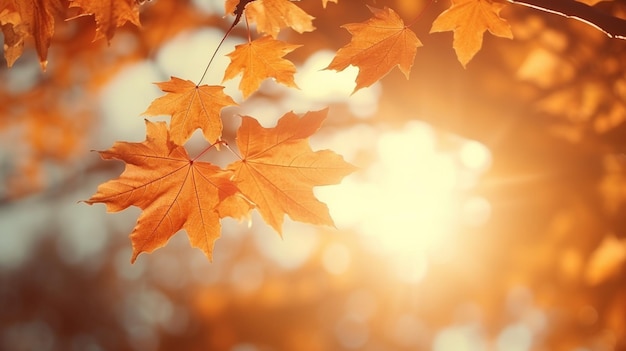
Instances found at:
x=469 y=19
x=377 y=46
x=271 y=16
x=278 y=169
x=261 y=59
x=191 y=107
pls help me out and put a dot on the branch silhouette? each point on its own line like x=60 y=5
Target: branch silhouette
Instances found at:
x=614 y=27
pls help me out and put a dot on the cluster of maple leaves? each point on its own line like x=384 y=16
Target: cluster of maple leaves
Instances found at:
x=277 y=169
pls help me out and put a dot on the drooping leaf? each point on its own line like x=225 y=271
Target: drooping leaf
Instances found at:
x=109 y=14
x=279 y=169
x=191 y=107
x=271 y=16
x=469 y=19
x=261 y=59
x=377 y=45
x=173 y=191
x=38 y=17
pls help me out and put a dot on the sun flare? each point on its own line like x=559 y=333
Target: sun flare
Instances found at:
x=409 y=203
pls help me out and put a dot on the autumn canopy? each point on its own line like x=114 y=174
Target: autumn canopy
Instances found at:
x=277 y=169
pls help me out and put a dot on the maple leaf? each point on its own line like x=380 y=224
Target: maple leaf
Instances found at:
x=377 y=45
x=278 y=169
x=469 y=19
x=258 y=60
x=14 y=33
x=37 y=17
x=109 y=14
x=191 y=107
x=271 y=16
x=173 y=191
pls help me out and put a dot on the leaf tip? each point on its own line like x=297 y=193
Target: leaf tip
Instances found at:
x=134 y=257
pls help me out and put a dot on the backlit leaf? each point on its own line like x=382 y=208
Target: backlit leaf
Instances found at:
x=271 y=16
x=469 y=19
x=261 y=59
x=278 y=169
x=191 y=107
x=378 y=44
x=173 y=191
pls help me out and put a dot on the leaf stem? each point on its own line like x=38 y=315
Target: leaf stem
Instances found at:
x=237 y=18
x=206 y=149
x=248 y=27
x=233 y=151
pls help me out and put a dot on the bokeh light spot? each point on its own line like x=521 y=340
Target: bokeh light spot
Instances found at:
x=459 y=338
x=475 y=155
x=336 y=258
x=515 y=337
x=351 y=332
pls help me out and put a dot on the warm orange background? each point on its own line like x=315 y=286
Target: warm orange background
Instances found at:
x=488 y=213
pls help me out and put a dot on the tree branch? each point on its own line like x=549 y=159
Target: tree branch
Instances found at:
x=612 y=26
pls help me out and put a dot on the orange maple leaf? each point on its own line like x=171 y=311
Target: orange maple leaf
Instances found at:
x=261 y=59
x=377 y=45
x=109 y=14
x=271 y=16
x=191 y=107
x=469 y=19
x=278 y=169
x=174 y=192
x=37 y=17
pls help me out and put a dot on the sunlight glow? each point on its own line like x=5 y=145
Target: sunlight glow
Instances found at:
x=475 y=155
x=408 y=203
x=320 y=87
x=476 y=211
x=291 y=251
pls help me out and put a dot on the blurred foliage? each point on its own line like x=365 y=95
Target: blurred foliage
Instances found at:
x=545 y=272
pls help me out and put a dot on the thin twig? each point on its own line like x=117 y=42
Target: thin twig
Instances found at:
x=612 y=26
